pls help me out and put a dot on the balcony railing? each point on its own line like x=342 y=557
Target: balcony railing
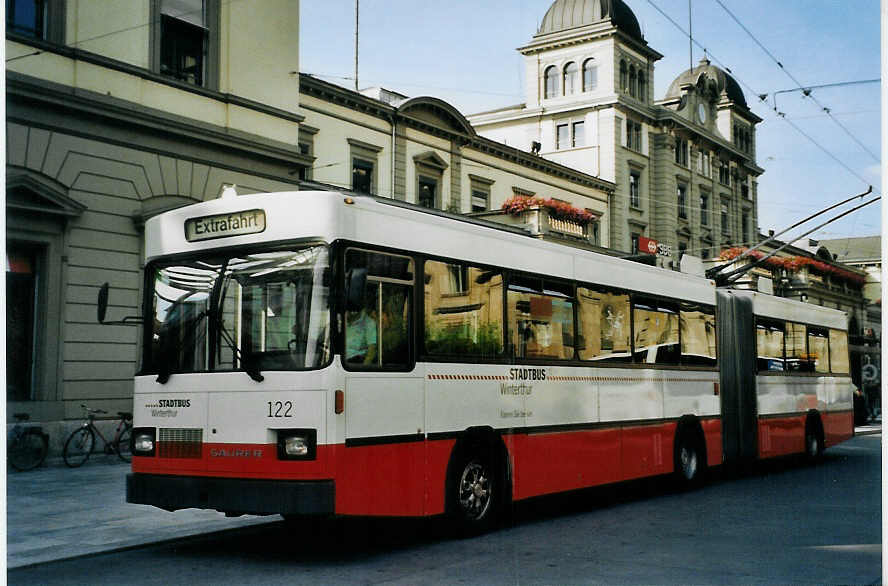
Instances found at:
x=539 y=222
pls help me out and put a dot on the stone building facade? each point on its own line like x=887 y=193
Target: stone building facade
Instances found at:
x=684 y=166
x=423 y=151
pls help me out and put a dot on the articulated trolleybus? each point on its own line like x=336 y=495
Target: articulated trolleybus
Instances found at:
x=313 y=353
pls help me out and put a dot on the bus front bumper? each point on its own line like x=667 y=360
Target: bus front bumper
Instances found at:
x=232 y=495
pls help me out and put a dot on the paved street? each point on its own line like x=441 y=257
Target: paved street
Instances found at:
x=784 y=523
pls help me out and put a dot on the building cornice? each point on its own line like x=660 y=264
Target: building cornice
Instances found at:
x=115 y=65
x=335 y=94
x=664 y=115
x=584 y=34
x=76 y=106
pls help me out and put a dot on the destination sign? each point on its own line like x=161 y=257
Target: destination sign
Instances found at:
x=225 y=225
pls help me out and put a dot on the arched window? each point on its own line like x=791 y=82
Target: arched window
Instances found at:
x=571 y=74
x=624 y=76
x=633 y=89
x=642 y=87
x=551 y=77
x=590 y=75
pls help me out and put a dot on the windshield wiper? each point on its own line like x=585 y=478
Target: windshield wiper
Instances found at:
x=219 y=331
x=249 y=365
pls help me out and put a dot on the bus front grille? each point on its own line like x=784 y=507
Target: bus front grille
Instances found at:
x=179 y=443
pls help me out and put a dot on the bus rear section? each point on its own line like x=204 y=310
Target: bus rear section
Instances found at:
x=785 y=385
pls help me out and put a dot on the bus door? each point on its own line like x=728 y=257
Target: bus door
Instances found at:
x=737 y=357
x=383 y=469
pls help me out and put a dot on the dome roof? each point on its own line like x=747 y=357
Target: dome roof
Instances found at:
x=708 y=77
x=568 y=14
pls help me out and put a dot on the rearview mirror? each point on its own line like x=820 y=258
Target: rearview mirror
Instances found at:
x=355 y=282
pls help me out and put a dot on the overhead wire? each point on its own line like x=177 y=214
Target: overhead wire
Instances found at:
x=805 y=89
x=756 y=93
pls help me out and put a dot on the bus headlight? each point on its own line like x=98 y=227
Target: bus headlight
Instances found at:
x=143 y=441
x=297 y=444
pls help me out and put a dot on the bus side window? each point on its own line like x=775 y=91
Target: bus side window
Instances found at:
x=769 y=345
x=463 y=311
x=697 y=324
x=540 y=319
x=604 y=325
x=377 y=332
x=838 y=351
x=818 y=349
x=655 y=328
x=797 y=359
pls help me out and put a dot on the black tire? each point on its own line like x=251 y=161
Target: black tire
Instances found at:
x=123 y=446
x=690 y=460
x=475 y=490
x=813 y=440
x=78 y=447
x=28 y=450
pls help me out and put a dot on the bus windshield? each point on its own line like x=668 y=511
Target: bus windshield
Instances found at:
x=252 y=312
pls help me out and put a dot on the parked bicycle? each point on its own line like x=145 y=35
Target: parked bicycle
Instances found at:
x=27 y=445
x=82 y=440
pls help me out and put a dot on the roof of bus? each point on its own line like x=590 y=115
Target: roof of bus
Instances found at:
x=331 y=216
x=797 y=311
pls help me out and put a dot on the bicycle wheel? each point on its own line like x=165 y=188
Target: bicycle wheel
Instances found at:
x=123 y=445
x=79 y=446
x=28 y=450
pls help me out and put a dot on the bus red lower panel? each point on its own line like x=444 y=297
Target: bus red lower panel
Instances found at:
x=712 y=432
x=391 y=479
x=551 y=462
x=647 y=450
x=546 y=463
x=781 y=436
x=837 y=427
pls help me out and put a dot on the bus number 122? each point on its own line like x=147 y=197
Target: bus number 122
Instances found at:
x=280 y=409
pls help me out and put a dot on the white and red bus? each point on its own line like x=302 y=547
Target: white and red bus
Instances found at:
x=314 y=353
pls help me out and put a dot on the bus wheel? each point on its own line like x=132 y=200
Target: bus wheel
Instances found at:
x=813 y=439
x=474 y=491
x=690 y=460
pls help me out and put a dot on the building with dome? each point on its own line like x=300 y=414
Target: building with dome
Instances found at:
x=684 y=165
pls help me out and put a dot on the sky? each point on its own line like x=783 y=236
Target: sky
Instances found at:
x=463 y=52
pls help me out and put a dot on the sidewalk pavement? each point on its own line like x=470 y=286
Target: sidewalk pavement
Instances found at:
x=56 y=512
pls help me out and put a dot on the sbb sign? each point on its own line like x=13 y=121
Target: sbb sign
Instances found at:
x=651 y=246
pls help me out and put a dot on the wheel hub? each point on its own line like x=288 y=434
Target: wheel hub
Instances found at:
x=474 y=494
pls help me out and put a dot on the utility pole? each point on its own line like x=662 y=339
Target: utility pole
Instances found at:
x=357 y=6
x=690 y=38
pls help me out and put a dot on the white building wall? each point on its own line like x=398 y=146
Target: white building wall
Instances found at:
x=118 y=30
x=260 y=52
x=536 y=65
